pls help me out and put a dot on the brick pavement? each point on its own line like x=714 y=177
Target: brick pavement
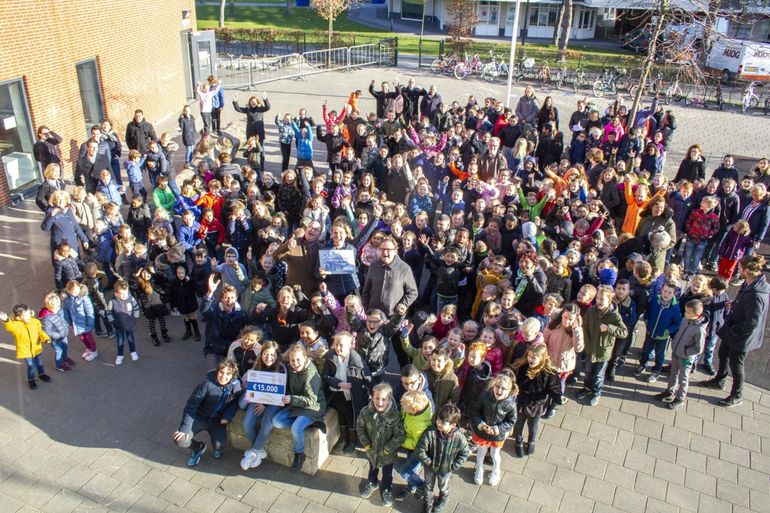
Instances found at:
x=98 y=438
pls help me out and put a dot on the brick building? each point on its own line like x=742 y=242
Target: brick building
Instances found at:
x=68 y=63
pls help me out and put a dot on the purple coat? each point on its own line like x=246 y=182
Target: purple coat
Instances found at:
x=734 y=245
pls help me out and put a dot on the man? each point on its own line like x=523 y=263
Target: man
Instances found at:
x=139 y=132
x=45 y=149
x=411 y=94
x=743 y=329
x=429 y=105
x=509 y=134
x=300 y=253
x=579 y=119
x=390 y=282
x=384 y=98
x=89 y=166
x=103 y=147
x=492 y=165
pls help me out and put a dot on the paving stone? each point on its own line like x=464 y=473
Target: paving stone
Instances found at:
x=634 y=408
x=598 y=413
x=341 y=503
x=699 y=409
x=539 y=470
x=640 y=462
x=554 y=435
x=722 y=469
x=704 y=445
x=651 y=486
x=716 y=430
x=583 y=444
x=574 y=503
x=701 y=482
x=670 y=472
x=708 y=504
x=154 y=482
x=569 y=480
x=691 y=459
x=676 y=436
x=576 y=424
x=648 y=428
x=519 y=486
x=621 y=420
x=590 y=466
x=63 y=502
x=755 y=426
x=492 y=500
x=732 y=492
x=639 y=443
x=206 y=501
x=611 y=453
x=598 y=490
x=758 y=501
x=659 y=506
x=759 y=481
x=661 y=450
x=746 y=440
x=148 y=502
x=760 y=462
x=76 y=477
x=10 y=505
x=179 y=492
x=630 y=501
x=603 y=431
x=728 y=417
x=99 y=487
x=659 y=413
x=515 y=506
x=733 y=454
x=620 y=476
x=562 y=457
x=682 y=497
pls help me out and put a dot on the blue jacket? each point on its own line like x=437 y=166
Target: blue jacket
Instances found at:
x=629 y=314
x=134 y=170
x=682 y=208
x=304 y=146
x=186 y=203
x=222 y=328
x=63 y=226
x=187 y=235
x=716 y=313
x=79 y=313
x=105 y=251
x=211 y=402
x=663 y=321
x=419 y=204
x=111 y=190
x=239 y=233
x=218 y=101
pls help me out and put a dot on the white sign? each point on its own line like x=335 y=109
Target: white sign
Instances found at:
x=9 y=122
x=265 y=387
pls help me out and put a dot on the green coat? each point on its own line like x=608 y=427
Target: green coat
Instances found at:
x=306 y=392
x=415 y=426
x=381 y=434
x=598 y=344
x=442 y=454
x=445 y=388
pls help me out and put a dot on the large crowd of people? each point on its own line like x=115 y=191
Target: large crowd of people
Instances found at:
x=506 y=256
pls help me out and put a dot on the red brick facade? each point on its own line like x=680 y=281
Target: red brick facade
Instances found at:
x=137 y=46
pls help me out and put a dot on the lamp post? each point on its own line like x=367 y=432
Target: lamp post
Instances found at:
x=513 y=52
x=422 y=31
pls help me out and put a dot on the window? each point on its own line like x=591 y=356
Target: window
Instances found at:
x=90 y=92
x=543 y=16
x=16 y=139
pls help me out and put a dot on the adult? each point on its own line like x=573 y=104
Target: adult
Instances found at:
x=743 y=329
x=757 y=214
x=217 y=104
x=51 y=182
x=340 y=285
x=255 y=118
x=139 y=132
x=45 y=149
x=389 y=282
x=299 y=252
x=548 y=114
x=89 y=167
x=509 y=134
x=96 y=136
x=60 y=221
x=726 y=169
x=411 y=94
x=429 y=105
x=579 y=119
x=657 y=217
x=528 y=107
x=111 y=139
x=692 y=167
x=493 y=167
x=384 y=98
x=224 y=321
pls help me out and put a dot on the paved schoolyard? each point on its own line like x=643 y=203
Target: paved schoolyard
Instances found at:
x=98 y=438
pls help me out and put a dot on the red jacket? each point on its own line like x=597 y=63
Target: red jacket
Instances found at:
x=209 y=229
x=701 y=226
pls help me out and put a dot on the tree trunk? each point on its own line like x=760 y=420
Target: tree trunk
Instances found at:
x=569 y=11
x=709 y=25
x=222 y=13
x=649 y=60
x=331 y=28
x=288 y=7
x=557 y=28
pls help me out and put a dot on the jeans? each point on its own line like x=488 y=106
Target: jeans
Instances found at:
x=410 y=471
x=692 y=254
x=593 y=381
x=250 y=420
x=217 y=432
x=708 y=349
x=60 y=347
x=32 y=363
x=735 y=360
x=711 y=255
x=122 y=336
x=137 y=189
x=115 y=164
x=659 y=346
x=188 y=154
x=284 y=420
x=444 y=482
x=441 y=301
x=206 y=118
x=679 y=379
x=387 y=476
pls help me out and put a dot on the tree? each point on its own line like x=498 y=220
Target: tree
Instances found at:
x=288 y=7
x=462 y=25
x=330 y=10
x=566 y=28
x=222 y=13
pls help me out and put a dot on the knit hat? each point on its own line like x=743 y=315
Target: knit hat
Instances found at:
x=508 y=322
x=608 y=276
x=635 y=257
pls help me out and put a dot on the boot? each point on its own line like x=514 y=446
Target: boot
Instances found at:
x=197 y=332
x=441 y=503
x=342 y=442
x=550 y=412
x=530 y=448
x=166 y=338
x=350 y=445
x=187 y=330
x=519 y=448
x=427 y=504
x=155 y=340
x=299 y=459
x=609 y=375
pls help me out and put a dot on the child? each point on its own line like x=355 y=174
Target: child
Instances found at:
x=446 y=321
x=153 y=307
x=686 y=345
x=109 y=187
x=418 y=356
x=441 y=378
x=529 y=334
x=233 y=272
x=352 y=302
x=442 y=449
x=564 y=339
x=449 y=272
x=492 y=418
x=139 y=218
x=454 y=342
x=55 y=326
x=473 y=376
x=66 y=265
x=701 y=225
x=630 y=315
x=93 y=283
x=134 y=165
x=125 y=312
x=416 y=414
x=30 y=337
x=182 y=296
x=373 y=339
x=733 y=247
x=79 y=312
x=716 y=318
x=189 y=135
x=381 y=432
x=211 y=232
x=494 y=353
x=663 y=318
x=538 y=383
x=315 y=345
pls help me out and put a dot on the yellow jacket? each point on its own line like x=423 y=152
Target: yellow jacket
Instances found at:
x=29 y=336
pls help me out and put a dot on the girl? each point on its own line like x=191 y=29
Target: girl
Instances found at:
x=420 y=357
x=538 y=382
x=317 y=210
x=352 y=302
x=290 y=198
x=305 y=401
x=441 y=378
x=30 y=337
x=492 y=418
x=151 y=302
x=494 y=353
x=733 y=247
x=285 y=319
x=79 y=313
x=347 y=381
x=125 y=312
x=182 y=297
x=316 y=345
x=564 y=339
x=269 y=361
x=55 y=326
x=473 y=376
x=528 y=335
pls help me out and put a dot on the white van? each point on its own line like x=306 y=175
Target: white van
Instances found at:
x=747 y=60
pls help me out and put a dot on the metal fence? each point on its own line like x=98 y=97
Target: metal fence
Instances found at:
x=247 y=72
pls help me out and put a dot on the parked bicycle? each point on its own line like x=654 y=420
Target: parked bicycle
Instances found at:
x=544 y=75
x=605 y=84
x=559 y=76
x=750 y=99
x=495 y=69
x=581 y=80
x=701 y=98
x=524 y=69
x=445 y=65
x=673 y=92
x=466 y=67
x=654 y=85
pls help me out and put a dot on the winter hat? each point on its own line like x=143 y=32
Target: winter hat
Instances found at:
x=508 y=322
x=529 y=230
x=608 y=276
x=567 y=228
x=635 y=257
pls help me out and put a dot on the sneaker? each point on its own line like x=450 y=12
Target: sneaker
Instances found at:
x=665 y=396
x=711 y=267
x=712 y=384
x=86 y=353
x=387 y=498
x=653 y=377
x=248 y=457
x=119 y=360
x=731 y=401
x=61 y=369
x=261 y=455
x=676 y=404
x=582 y=393
x=478 y=478
x=195 y=456
x=494 y=478
x=440 y=504
x=111 y=334
x=640 y=370
x=549 y=413
x=666 y=369
x=736 y=282
x=134 y=356
x=217 y=454
x=594 y=400
x=175 y=312
x=530 y=448
x=404 y=492
x=45 y=378
x=368 y=488
x=32 y=384
x=92 y=356
x=100 y=333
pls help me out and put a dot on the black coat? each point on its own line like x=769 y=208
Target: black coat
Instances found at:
x=691 y=170
x=255 y=124
x=358 y=376
x=533 y=293
x=222 y=328
x=500 y=414
x=87 y=172
x=181 y=295
x=44 y=192
x=745 y=324
x=138 y=135
x=534 y=394
x=210 y=402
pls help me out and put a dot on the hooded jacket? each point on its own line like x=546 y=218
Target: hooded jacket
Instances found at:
x=690 y=337
x=211 y=402
x=563 y=347
x=442 y=454
x=222 y=328
x=381 y=434
x=663 y=320
x=306 y=392
x=54 y=324
x=744 y=325
x=599 y=344
x=79 y=312
x=29 y=336
x=374 y=347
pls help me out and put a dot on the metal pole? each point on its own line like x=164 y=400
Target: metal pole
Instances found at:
x=422 y=31
x=513 y=53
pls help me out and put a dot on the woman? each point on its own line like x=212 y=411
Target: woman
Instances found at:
x=305 y=401
x=116 y=148
x=548 y=114
x=693 y=166
x=527 y=109
x=211 y=406
x=340 y=285
x=757 y=215
x=657 y=217
x=255 y=123
x=529 y=285
x=60 y=221
x=608 y=191
x=564 y=339
x=269 y=361
x=52 y=182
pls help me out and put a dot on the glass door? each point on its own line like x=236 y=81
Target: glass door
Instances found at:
x=16 y=140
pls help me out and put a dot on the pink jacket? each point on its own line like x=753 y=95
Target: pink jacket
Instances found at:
x=495 y=359
x=429 y=151
x=333 y=121
x=619 y=131
x=338 y=311
x=562 y=347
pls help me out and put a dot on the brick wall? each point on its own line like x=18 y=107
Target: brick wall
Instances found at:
x=137 y=46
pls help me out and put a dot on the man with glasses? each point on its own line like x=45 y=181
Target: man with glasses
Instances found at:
x=45 y=150
x=390 y=282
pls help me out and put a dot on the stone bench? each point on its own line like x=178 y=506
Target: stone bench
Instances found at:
x=280 y=448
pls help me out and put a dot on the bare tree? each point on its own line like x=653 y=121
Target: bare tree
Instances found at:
x=330 y=10
x=566 y=28
x=222 y=13
x=462 y=26
x=557 y=28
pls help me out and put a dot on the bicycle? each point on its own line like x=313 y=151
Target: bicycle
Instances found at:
x=560 y=77
x=653 y=86
x=495 y=69
x=604 y=84
x=524 y=69
x=544 y=75
x=673 y=92
x=750 y=99
x=444 y=65
x=465 y=67
x=581 y=80
x=702 y=99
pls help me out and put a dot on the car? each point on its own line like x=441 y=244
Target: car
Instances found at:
x=638 y=40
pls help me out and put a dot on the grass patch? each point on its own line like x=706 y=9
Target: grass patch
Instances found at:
x=301 y=18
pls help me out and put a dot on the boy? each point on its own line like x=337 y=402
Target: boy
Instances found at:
x=30 y=337
x=373 y=340
x=125 y=311
x=92 y=281
x=109 y=187
x=163 y=197
x=716 y=315
x=663 y=318
x=134 y=165
x=442 y=449
x=233 y=272
x=381 y=432
x=686 y=345
x=602 y=326
x=55 y=326
x=449 y=272
x=627 y=308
